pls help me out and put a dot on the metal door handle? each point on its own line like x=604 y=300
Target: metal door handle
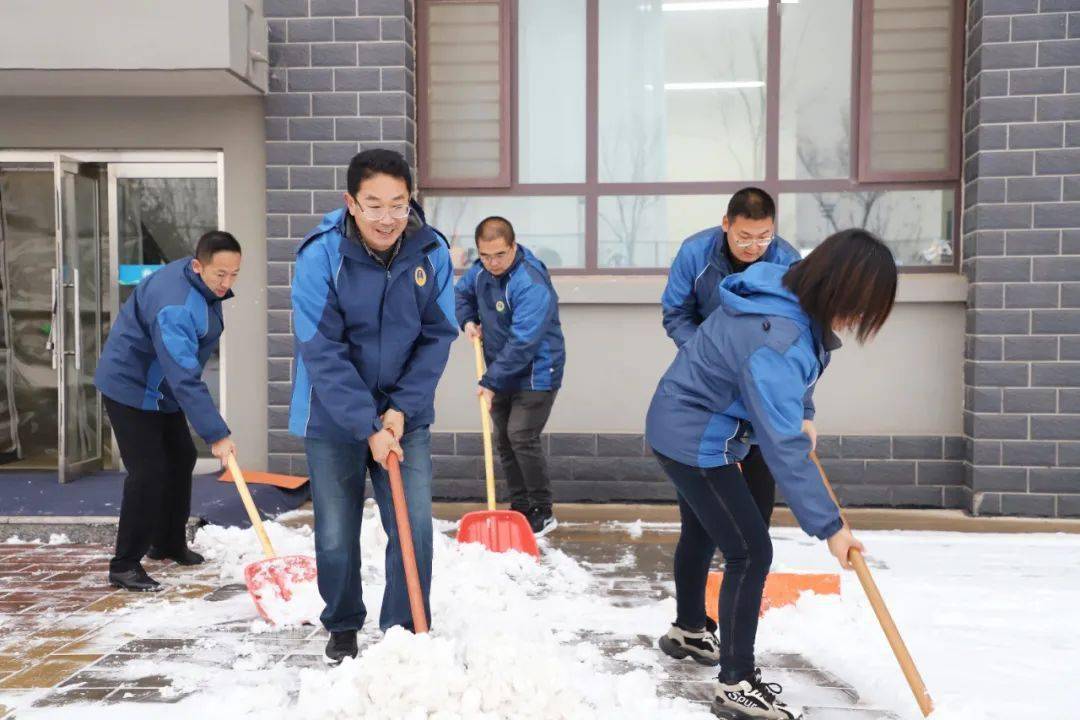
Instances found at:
x=78 y=323
x=50 y=344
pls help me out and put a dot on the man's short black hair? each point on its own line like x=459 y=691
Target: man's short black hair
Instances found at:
x=751 y=203
x=495 y=227
x=214 y=242
x=377 y=161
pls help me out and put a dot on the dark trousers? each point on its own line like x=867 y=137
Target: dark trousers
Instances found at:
x=159 y=456
x=719 y=511
x=519 y=418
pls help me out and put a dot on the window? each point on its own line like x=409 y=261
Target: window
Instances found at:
x=629 y=123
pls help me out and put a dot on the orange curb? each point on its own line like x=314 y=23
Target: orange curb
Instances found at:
x=780 y=589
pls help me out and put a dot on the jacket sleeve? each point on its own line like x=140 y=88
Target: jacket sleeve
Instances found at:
x=321 y=345
x=415 y=388
x=533 y=307
x=772 y=387
x=465 y=298
x=681 y=317
x=177 y=347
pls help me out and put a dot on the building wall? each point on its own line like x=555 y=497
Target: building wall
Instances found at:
x=1022 y=257
x=230 y=124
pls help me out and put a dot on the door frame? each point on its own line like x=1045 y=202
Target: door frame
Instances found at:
x=137 y=163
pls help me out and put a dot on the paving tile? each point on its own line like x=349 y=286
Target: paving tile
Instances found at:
x=71 y=697
x=42 y=675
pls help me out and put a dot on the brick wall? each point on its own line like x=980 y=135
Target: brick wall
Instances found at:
x=341 y=81
x=1022 y=257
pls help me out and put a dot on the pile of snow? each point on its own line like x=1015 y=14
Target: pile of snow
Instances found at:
x=54 y=539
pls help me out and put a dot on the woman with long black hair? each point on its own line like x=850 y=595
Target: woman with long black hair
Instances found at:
x=741 y=380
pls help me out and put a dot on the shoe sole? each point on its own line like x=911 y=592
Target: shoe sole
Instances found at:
x=548 y=528
x=118 y=586
x=676 y=651
x=334 y=663
x=726 y=712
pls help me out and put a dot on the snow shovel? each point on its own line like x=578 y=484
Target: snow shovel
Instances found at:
x=907 y=665
x=497 y=530
x=408 y=553
x=273 y=580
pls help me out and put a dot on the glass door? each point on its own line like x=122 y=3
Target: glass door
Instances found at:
x=75 y=336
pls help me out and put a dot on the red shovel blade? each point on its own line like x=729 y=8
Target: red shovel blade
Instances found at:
x=498 y=531
x=275 y=580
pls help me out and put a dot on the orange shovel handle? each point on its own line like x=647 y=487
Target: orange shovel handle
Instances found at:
x=892 y=634
x=408 y=552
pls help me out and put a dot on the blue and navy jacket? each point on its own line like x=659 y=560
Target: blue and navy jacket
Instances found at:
x=519 y=312
x=368 y=337
x=740 y=380
x=692 y=291
x=160 y=343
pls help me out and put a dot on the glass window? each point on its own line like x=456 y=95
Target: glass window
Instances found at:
x=682 y=90
x=645 y=231
x=916 y=224
x=551 y=227
x=465 y=110
x=551 y=91
x=815 y=90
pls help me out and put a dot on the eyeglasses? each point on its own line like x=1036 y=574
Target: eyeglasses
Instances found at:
x=495 y=257
x=747 y=242
x=398 y=212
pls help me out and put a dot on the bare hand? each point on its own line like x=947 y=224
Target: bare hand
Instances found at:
x=841 y=544
x=394 y=421
x=487 y=395
x=810 y=431
x=223 y=448
x=472 y=331
x=382 y=444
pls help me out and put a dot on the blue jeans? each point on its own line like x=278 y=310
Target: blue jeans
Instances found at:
x=337 y=488
x=719 y=511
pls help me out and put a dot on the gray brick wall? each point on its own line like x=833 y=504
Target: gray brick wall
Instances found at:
x=341 y=81
x=879 y=471
x=1021 y=255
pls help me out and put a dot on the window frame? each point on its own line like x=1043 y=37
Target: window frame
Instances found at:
x=592 y=189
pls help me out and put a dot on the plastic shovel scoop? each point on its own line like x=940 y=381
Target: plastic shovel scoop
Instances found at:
x=283 y=588
x=497 y=530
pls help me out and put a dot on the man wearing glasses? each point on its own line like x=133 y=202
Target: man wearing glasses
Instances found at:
x=746 y=235
x=373 y=316
x=507 y=299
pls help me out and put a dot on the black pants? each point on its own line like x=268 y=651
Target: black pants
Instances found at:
x=159 y=456
x=719 y=511
x=519 y=418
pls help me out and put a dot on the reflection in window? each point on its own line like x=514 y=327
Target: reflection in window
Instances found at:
x=815 y=90
x=682 y=91
x=916 y=224
x=645 y=231
x=553 y=228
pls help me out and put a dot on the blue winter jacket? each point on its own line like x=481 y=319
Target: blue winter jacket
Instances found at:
x=368 y=337
x=739 y=381
x=519 y=312
x=692 y=291
x=160 y=343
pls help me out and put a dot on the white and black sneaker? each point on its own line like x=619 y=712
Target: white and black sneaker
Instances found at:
x=751 y=698
x=701 y=645
x=541 y=520
x=341 y=645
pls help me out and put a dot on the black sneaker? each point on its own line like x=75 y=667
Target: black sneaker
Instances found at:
x=134 y=580
x=541 y=520
x=699 y=645
x=340 y=646
x=751 y=698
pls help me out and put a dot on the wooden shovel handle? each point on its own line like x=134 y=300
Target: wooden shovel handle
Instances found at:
x=408 y=552
x=485 y=423
x=892 y=634
x=249 y=505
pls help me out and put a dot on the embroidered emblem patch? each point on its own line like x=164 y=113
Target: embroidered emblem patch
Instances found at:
x=421 y=276
x=500 y=306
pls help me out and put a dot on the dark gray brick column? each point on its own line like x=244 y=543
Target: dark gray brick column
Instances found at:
x=341 y=81
x=1022 y=257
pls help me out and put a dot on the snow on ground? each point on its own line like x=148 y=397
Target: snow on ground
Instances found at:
x=979 y=613
x=54 y=539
